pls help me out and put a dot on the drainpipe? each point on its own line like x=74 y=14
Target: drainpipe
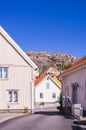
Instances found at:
x=32 y=96
x=32 y=91
x=34 y=74
x=85 y=88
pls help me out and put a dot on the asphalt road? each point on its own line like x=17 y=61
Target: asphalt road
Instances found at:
x=44 y=119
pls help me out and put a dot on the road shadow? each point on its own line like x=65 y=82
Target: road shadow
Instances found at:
x=53 y=113
x=48 y=113
x=68 y=116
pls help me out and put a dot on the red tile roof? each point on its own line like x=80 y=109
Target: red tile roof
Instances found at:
x=78 y=64
x=40 y=78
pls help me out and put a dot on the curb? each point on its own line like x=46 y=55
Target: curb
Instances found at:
x=79 y=125
x=12 y=117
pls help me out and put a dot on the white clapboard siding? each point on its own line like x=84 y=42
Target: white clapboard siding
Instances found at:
x=20 y=74
x=78 y=76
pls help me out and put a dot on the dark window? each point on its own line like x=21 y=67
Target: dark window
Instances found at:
x=41 y=95
x=53 y=95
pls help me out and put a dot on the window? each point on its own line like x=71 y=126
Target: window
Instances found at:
x=3 y=72
x=13 y=96
x=41 y=95
x=47 y=78
x=10 y=96
x=47 y=85
x=53 y=95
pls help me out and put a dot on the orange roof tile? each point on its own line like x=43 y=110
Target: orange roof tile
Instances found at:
x=78 y=64
x=40 y=78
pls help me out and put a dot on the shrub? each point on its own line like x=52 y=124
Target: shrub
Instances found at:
x=25 y=110
x=60 y=102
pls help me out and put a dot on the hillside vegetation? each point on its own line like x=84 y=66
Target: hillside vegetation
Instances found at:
x=44 y=60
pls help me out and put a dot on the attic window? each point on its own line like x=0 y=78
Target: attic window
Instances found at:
x=47 y=85
x=47 y=78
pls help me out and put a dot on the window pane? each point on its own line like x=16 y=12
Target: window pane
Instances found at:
x=0 y=72
x=15 y=96
x=41 y=95
x=54 y=95
x=5 y=72
x=10 y=96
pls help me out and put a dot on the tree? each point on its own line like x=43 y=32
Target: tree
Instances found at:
x=60 y=102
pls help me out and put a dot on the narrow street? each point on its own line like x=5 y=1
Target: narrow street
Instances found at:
x=43 y=119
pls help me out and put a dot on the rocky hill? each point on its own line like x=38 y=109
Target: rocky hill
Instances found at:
x=45 y=60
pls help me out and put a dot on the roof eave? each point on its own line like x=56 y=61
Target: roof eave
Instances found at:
x=14 y=44
x=76 y=69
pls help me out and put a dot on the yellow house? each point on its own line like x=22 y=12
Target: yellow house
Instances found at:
x=58 y=82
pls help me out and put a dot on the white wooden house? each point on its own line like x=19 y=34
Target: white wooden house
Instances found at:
x=74 y=83
x=47 y=91
x=17 y=74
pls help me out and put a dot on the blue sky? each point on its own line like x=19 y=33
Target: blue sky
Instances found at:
x=57 y=26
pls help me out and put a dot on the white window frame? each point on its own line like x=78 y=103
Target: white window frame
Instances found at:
x=3 y=72
x=13 y=96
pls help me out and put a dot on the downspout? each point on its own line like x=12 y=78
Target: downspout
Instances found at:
x=32 y=91
x=34 y=74
x=32 y=94
x=85 y=88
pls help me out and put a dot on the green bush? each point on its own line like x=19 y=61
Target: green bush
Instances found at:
x=60 y=102
x=25 y=110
